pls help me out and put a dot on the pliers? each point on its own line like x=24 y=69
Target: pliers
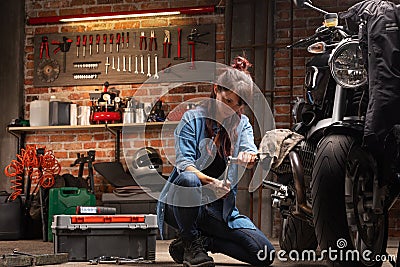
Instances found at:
x=153 y=39
x=142 y=39
x=44 y=46
x=167 y=44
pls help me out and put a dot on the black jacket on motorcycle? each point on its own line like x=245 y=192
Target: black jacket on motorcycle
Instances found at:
x=380 y=41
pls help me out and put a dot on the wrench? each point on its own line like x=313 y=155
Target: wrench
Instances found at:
x=141 y=65
x=118 y=69
x=113 y=63
x=130 y=63
x=124 y=63
x=136 y=65
x=148 y=65
x=156 y=67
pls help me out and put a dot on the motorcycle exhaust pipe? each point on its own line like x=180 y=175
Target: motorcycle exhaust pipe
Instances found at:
x=299 y=184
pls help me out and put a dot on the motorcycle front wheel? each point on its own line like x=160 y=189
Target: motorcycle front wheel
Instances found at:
x=297 y=235
x=344 y=221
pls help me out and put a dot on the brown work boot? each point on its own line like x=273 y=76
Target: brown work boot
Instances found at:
x=195 y=255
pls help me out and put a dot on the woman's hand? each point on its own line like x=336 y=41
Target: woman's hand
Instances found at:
x=247 y=159
x=220 y=188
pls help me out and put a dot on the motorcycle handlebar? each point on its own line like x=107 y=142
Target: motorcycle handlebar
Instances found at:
x=313 y=38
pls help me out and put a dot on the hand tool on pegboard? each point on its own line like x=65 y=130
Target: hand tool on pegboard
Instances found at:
x=44 y=46
x=118 y=41
x=48 y=70
x=97 y=43
x=179 y=55
x=104 y=42
x=156 y=67
x=84 y=45
x=64 y=47
x=153 y=39
x=167 y=44
x=111 y=42
x=193 y=39
x=90 y=44
x=78 y=44
x=122 y=40
x=127 y=39
x=134 y=40
x=142 y=40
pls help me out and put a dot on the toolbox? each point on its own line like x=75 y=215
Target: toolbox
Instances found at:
x=64 y=200
x=88 y=237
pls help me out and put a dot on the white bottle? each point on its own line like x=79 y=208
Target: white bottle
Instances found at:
x=39 y=113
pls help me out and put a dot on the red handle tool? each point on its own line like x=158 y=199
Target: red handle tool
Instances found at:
x=118 y=41
x=84 y=45
x=90 y=44
x=127 y=39
x=97 y=43
x=111 y=42
x=78 y=44
x=104 y=42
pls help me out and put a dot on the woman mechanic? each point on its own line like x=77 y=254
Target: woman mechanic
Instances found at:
x=196 y=200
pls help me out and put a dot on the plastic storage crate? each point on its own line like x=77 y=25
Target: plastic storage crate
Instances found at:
x=87 y=237
x=64 y=200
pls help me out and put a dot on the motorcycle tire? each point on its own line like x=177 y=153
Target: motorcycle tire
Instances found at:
x=297 y=235
x=328 y=198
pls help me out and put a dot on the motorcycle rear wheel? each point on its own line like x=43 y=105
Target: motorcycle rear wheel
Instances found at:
x=335 y=210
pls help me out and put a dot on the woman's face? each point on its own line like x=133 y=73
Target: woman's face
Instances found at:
x=228 y=103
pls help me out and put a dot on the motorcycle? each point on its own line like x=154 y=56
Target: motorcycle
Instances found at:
x=328 y=188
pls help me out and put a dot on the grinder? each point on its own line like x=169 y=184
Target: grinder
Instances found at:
x=105 y=106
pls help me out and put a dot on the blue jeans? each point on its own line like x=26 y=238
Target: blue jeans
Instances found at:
x=247 y=245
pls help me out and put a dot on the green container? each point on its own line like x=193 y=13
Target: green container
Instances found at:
x=64 y=200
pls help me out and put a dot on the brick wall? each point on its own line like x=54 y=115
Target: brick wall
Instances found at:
x=66 y=144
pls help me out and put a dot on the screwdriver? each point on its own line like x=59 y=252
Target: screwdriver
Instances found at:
x=118 y=41
x=127 y=39
x=97 y=43
x=111 y=42
x=84 y=45
x=104 y=42
x=78 y=44
x=90 y=44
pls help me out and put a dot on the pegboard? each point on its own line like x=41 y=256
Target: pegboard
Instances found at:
x=53 y=67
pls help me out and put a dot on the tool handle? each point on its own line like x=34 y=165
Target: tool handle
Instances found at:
x=179 y=42
x=78 y=40
x=91 y=39
x=104 y=38
x=111 y=38
x=84 y=40
x=118 y=38
x=127 y=38
x=97 y=38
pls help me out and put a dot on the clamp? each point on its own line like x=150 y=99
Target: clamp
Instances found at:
x=167 y=44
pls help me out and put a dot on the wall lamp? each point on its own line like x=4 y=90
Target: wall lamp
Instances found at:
x=122 y=15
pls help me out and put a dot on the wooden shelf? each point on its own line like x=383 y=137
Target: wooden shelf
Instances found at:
x=115 y=126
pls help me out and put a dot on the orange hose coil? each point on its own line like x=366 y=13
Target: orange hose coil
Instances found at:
x=40 y=170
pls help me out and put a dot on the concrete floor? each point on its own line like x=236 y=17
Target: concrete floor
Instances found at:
x=37 y=247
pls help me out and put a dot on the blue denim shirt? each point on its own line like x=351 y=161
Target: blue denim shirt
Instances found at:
x=190 y=138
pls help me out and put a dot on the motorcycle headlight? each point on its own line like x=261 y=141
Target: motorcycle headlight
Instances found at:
x=347 y=65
